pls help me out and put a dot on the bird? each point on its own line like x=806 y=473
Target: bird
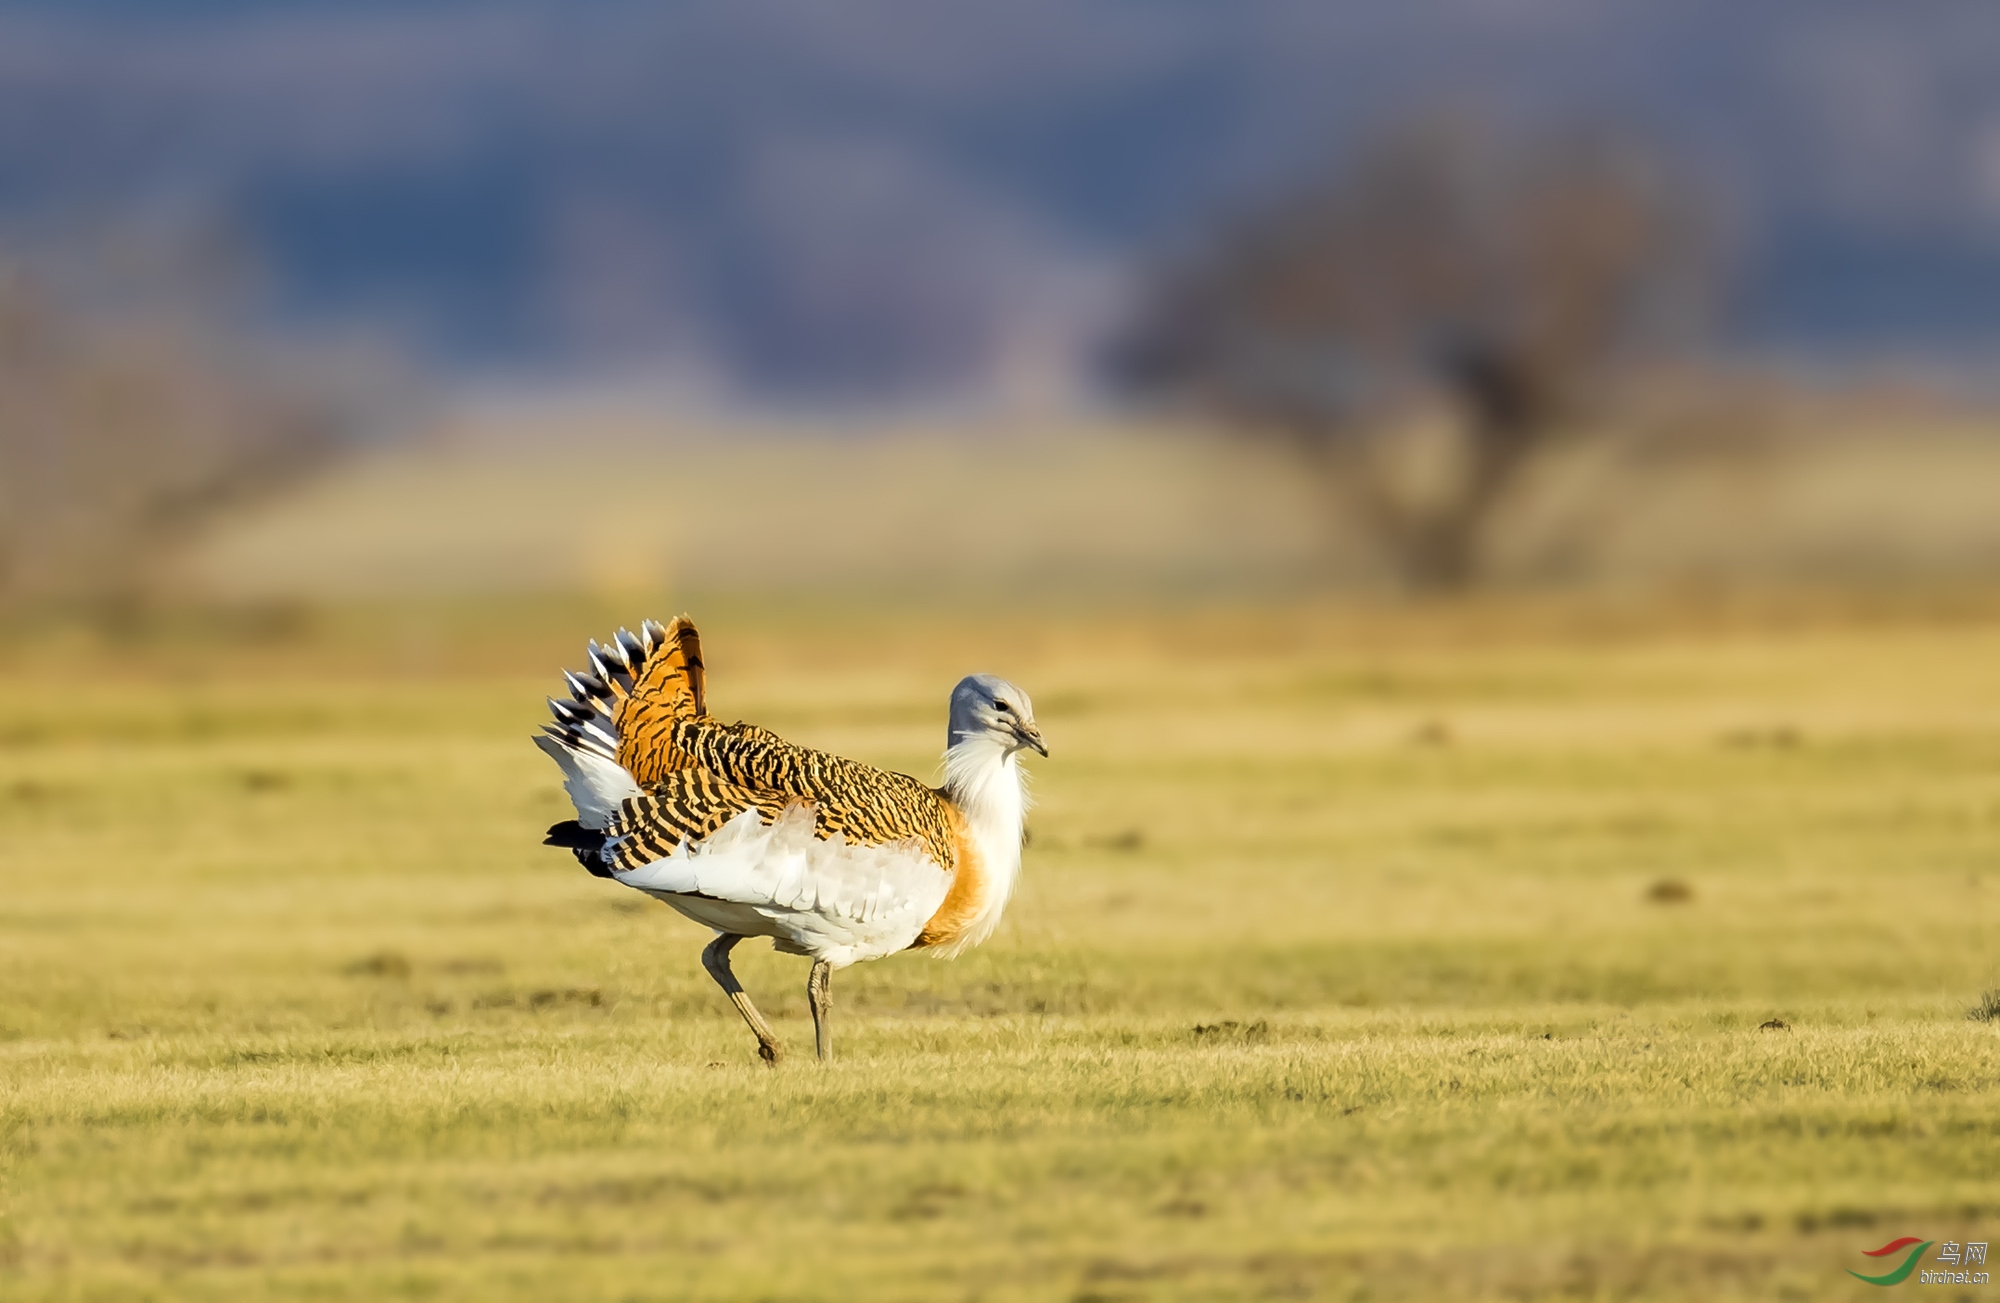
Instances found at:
x=753 y=836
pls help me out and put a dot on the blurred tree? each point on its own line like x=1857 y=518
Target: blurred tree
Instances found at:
x=119 y=436
x=1503 y=280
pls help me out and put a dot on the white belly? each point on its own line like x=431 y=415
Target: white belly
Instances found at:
x=828 y=899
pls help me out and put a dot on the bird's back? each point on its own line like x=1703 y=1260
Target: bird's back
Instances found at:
x=850 y=799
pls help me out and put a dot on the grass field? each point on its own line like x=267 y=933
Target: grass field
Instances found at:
x=1358 y=955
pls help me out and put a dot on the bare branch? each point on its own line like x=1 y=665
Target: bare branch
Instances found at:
x=1510 y=280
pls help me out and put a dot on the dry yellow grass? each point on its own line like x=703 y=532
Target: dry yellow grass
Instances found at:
x=1348 y=963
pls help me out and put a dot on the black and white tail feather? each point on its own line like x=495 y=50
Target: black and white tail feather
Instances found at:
x=583 y=738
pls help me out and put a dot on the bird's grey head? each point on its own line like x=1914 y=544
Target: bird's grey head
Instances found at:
x=984 y=707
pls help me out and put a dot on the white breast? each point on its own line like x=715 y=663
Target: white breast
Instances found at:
x=829 y=899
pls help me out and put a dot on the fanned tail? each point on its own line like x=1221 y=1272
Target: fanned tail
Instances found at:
x=669 y=683
x=614 y=734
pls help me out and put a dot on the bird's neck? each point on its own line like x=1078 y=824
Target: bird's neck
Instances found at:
x=985 y=783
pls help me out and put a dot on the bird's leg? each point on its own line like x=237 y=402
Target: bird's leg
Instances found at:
x=716 y=960
x=821 y=1000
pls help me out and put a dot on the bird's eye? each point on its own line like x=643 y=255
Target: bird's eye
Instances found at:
x=1002 y=707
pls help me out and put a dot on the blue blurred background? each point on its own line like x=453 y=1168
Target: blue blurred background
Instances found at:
x=897 y=197
x=781 y=207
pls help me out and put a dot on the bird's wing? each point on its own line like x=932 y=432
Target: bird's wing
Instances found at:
x=781 y=856
x=623 y=708
x=683 y=810
x=866 y=805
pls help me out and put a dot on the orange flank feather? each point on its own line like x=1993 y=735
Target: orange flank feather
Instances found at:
x=965 y=902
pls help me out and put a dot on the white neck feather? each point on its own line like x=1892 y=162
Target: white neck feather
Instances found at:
x=989 y=787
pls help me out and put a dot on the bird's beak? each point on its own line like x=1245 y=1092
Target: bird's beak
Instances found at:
x=1030 y=736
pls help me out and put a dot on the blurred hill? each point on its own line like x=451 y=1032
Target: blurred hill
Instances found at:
x=597 y=501
x=892 y=196
x=613 y=502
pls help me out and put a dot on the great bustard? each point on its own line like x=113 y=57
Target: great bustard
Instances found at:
x=742 y=831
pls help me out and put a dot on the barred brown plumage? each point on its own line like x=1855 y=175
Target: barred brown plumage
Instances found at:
x=670 y=684
x=685 y=806
x=755 y=836
x=690 y=804
x=867 y=805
